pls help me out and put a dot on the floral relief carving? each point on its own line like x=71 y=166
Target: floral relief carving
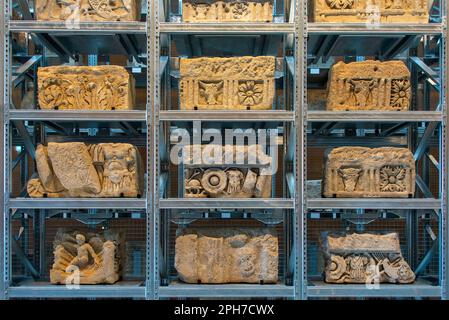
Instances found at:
x=250 y=93
x=400 y=93
x=392 y=179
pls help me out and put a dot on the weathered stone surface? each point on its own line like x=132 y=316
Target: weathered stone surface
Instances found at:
x=371 y=11
x=364 y=258
x=75 y=169
x=358 y=172
x=86 y=258
x=88 y=10
x=227 y=10
x=227 y=83
x=98 y=88
x=216 y=177
x=369 y=85
x=211 y=255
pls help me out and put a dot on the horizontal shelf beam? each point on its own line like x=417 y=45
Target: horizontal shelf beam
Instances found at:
x=46 y=290
x=102 y=27
x=227 y=28
x=374 y=116
x=81 y=203
x=226 y=290
x=201 y=203
x=379 y=29
x=373 y=203
x=418 y=289
x=78 y=115
x=230 y=115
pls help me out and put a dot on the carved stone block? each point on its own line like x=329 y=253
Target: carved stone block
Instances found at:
x=86 y=258
x=364 y=258
x=90 y=88
x=227 y=83
x=227 y=10
x=211 y=255
x=371 y=11
x=88 y=10
x=358 y=172
x=248 y=175
x=74 y=169
x=369 y=85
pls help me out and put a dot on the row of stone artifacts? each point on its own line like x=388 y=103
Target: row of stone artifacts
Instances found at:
x=229 y=255
x=341 y=11
x=241 y=83
x=76 y=169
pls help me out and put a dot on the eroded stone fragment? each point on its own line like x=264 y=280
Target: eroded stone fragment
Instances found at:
x=74 y=169
x=227 y=83
x=369 y=85
x=87 y=10
x=364 y=258
x=371 y=11
x=217 y=171
x=212 y=255
x=359 y=172
x=86 y=258
x=227 y=10
x=91 y=88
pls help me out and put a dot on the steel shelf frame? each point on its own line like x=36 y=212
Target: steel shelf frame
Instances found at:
x=154 y=29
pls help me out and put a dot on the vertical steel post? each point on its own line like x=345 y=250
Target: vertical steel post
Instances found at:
x=2 y=148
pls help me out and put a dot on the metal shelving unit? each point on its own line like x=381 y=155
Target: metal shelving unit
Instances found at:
x=146 y=43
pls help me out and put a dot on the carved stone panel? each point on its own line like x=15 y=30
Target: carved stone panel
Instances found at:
x=358 y=172
x=215 y=177
x=369 y=85
x=364 y=258
x=90 y=88
x=227 y=83
x=88 y=10
x=371 y=11
x=227 y=10
x=86 y=258
x=212 y=255
x=74 y=169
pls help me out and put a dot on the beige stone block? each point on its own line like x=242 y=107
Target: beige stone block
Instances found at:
x=227 y=11
x=91 y=88
x=359 y=172
x=209 y=173
x=87 y=10
x=74 y=169
x=219 y=255
x=87 y=258
x=364 y=258
x=371 y=11
x=369 y=85
x=242 y=83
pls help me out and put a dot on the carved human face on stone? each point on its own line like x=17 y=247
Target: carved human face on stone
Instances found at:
x=350 y=177
x=340 y=4
x=80 y=239
x=246 y=260
x=235 y=178
x=119 y=162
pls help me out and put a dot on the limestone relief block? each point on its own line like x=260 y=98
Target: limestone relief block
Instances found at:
x=242 y=83
x=247 y=175
x=227 y=10
x=369 y=85
x=74 y=169
x=87 y=258
x=223 y=255
x=88 y=10
x=91 y=88
x=359 y=172
x=364 y=258
x=371 y=11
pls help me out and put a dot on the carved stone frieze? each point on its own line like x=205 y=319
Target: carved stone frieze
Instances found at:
x=364 y=258
x=369 y=85
x=358 y=172
x=227 y=10
x=227 y=83
x=90 y=88
x=212 y=255
x=74 y=169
